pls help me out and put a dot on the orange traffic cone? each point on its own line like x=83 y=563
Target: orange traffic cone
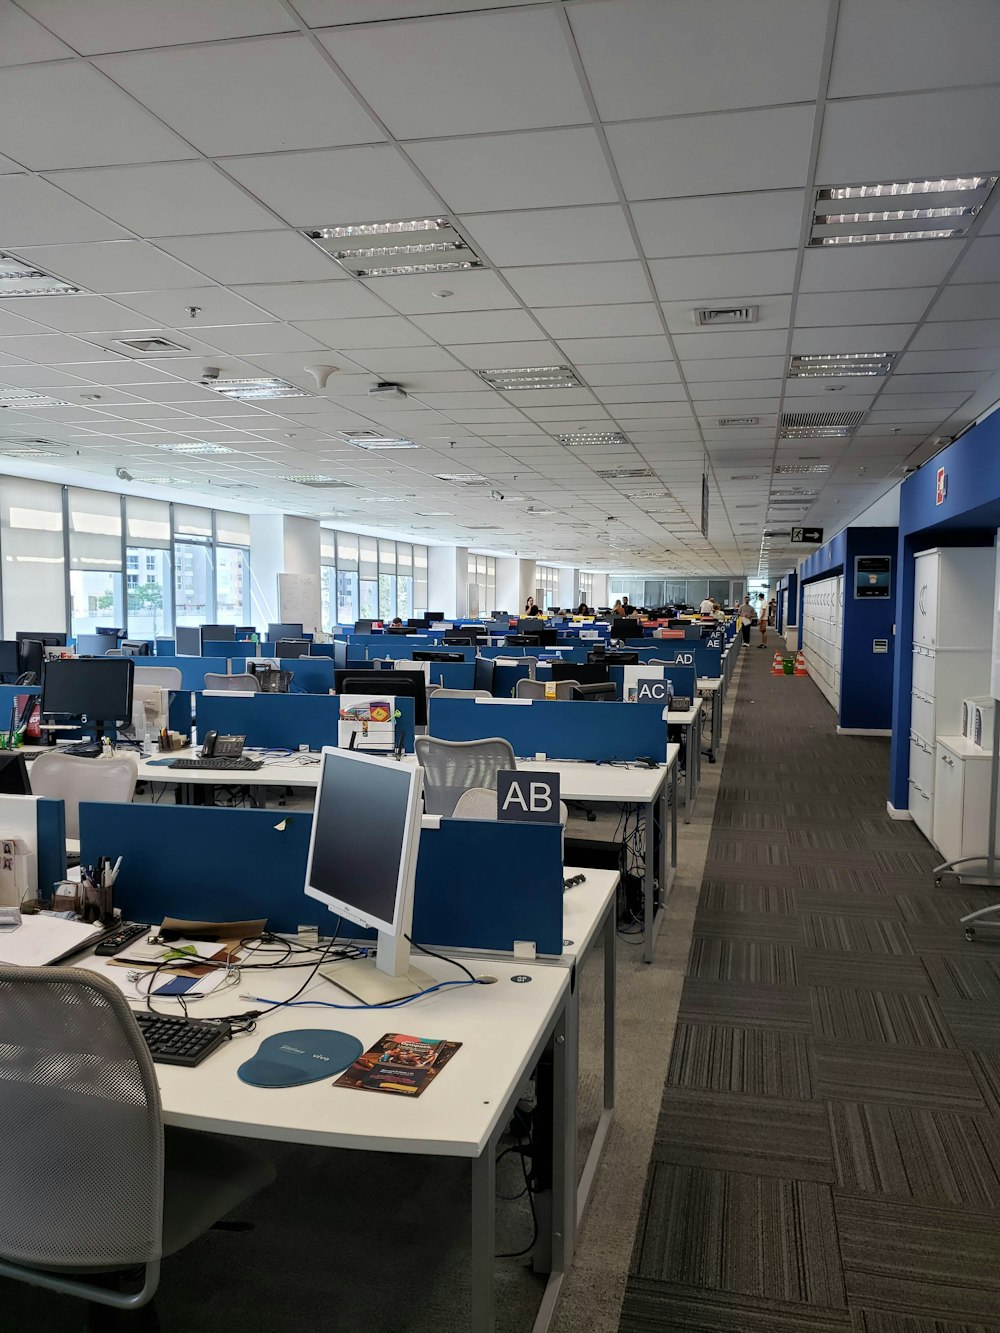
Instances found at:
x=800 y=665
x=776 y=666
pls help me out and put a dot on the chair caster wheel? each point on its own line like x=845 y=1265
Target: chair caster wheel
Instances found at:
x=938 y=881
x=970 y=932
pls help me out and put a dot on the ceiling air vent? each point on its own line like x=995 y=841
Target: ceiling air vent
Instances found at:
x=744 y=476
x=739 y=421
x=150 y=345
x=819 y=425
x=740 y=314
x=622 y=473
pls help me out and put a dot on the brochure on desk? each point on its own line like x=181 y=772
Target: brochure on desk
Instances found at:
x=400 y=1064
x=367 y=723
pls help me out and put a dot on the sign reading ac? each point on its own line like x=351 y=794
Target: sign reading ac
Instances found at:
x=531 y=797
x=651 y=690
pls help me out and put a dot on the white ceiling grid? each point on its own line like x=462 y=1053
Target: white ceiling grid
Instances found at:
x=615 y=164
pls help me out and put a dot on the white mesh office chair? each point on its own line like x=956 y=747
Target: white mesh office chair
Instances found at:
x=535 y=689
x=105 y=1188
x=530 y=662
x=71 y=779
x=452 y=767
x=444 y=693
x=241 y=683
x=167 y=678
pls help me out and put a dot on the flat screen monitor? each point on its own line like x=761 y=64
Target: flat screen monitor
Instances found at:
x=415 y=622
x=364 y=626
x=47 y=638
x=458 y=640
x=368 y=878
x=433 y=615
x=244 y=631
x=187 y=641
x=599 y=692
x=408 y=684
x=94 y=645
x=435 y=655
x=483 y=676
x=626 y=629
x=292 y=648
x=584 y=673
x=286 y=630
x=135 y=648
x=98 y=689
x=218 y=633
x=522 y=640
x=9 y=657
x=14 y=775
x=110 y=631
x=30 y=656
x=621 y=659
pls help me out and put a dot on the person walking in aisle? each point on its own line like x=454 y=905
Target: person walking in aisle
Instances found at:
x=707 y=607
x=762 y=612
x=746 y=617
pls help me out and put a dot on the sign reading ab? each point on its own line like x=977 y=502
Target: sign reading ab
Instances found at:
x=528 y=797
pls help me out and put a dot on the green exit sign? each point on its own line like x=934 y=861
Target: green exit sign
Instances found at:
x=814 y=536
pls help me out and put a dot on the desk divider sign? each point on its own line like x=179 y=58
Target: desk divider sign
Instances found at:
x=652 y=690
x=528 y=797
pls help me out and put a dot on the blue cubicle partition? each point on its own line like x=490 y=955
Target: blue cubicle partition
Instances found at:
x=165 y=647
x=192 y=669
x=41 y=824
x=8 y=693
x=310 y=675
x=283 y=721
x=560 y=729
x=683 y=679
x=244 y=864
x=505 y=679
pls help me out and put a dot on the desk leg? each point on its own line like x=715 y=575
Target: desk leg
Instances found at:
x=586 y=1184
x=563 y=1201
x=484 y=1238
x=716 y=724
x=690 y=771
x=648 y=882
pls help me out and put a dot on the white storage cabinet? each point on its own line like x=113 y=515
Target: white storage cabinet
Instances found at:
x=961 y=798
x=822 y=625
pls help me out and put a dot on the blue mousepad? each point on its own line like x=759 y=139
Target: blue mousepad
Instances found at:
x=288 y=1059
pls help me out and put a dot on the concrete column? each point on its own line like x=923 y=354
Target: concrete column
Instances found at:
x=600 y=590
x=569 y=587
x=448 y=579
x=526 y=583
x=283 y=544
x=508 y=584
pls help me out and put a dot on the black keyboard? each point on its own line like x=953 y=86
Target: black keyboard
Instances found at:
x=232 y=763
x=173 y=1040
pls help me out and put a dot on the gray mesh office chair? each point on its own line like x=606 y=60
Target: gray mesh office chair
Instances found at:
x=452 y=767
x=535 y=689
x=246 y=683
x=71 y=779
x=167 y=678
x=444 y=693
x=91 y=1182
x=481 y=803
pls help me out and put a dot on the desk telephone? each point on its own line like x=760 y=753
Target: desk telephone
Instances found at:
x=215 y=746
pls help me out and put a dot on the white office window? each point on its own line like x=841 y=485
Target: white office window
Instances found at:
x=95 y=557
x=368 y=578
x=419 y=580
x=31 y=542
x=586 y=588
x=347 y=551
x=547 y=584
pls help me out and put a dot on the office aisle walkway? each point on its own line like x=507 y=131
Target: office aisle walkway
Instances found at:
x=827 y=1157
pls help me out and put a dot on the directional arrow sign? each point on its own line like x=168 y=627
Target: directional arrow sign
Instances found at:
x=810 y=535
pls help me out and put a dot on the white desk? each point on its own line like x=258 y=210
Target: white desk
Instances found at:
x=504 y=1028
x=286 y=771
x=690 y=720
x=713 y=687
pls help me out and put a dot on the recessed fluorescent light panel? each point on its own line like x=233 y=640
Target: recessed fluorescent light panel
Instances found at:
x=316 y=479
x=392 y=249
x=164 y=481
x=195 y=447
x=531 y=377
x=31 y=451
x=617 y=473
x=20 y=279
x=266 y=386
x=24 y=398
x=799 y=469
x=739 y=421
x=917 y=210
x=841 y=363
x=373 y=441
x=465 y=478
x=587 y=439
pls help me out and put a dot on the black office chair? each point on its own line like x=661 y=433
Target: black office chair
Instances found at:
x=107 y=1190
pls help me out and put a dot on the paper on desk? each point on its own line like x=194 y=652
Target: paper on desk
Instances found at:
x=144 y=955
x=43 y=939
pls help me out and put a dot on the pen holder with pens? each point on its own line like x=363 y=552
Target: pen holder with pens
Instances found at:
x=96 y=897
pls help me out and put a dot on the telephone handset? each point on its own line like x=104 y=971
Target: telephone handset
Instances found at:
x=221 y=747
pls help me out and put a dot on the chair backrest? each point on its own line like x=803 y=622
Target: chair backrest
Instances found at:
x=214 y=681
x=536 y=689
x=445 y=693
x=71 y=779
x=530 y=662
x=452 y=767
x=168 y=678
x=78 y=1091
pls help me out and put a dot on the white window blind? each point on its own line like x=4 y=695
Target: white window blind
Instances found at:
x=189 y=521
x=369 y=558
x=147 y=523
x=327 y=546
x=31 y=538
x=232 y=529
x=347 y=551
x=95 y=530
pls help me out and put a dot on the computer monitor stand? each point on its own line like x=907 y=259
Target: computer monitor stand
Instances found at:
x=373 y=984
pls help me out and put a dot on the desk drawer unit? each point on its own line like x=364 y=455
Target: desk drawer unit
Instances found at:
x=922 y=763
x=922 y=710
x=923 y=669
x=922 y=809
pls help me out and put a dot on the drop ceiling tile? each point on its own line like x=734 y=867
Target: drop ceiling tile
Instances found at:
x=122 y=371
x=537 y=169
x=839 y=268
x=414 y=294
x=909 y=136
x=335 y=185
x=477 y=60
x=390 y=331
x=214 y=305
x=600 y=321
x=54 y=349
x=593 y=350
x=981 y=301
x=42 y=377
x=250 y=339
x=253 y=257
x=496 y=356
x=479 y=326
x=313 y=300
x=851 y=338
x=79 y=314
x=91 y=26
x=936 y=47
x=707 y=226
x=733 y=368
x=13 y=320
x=552 y=236
x=646 y=58
x=935 y=362
x=665 y=412
x=167 y=198
x=589 y=416
x=722 y=153
x=946 y=402
x=707 y=279
x=36 y=213
x=212 y=95
x=872 y=307
x=963 y=333
x=612 y=283
x=808 y=396
x=641 y=393
x=25 y=40
x=980 y=262
x=744 y=342
x=390 y=362
x=639 y=372
x=716 y=389
x=112 y=266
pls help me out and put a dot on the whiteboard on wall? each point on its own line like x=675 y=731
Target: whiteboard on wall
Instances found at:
x=299 y=600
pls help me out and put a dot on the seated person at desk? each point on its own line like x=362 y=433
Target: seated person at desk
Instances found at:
x=618 y=611
x=396 y=621
x=583 y=610
x=530 y=609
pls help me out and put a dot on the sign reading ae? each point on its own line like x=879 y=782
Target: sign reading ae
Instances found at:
x=528 y=797
x=808 y=535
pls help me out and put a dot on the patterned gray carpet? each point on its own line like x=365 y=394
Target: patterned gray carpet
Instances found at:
x=827 y=1158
